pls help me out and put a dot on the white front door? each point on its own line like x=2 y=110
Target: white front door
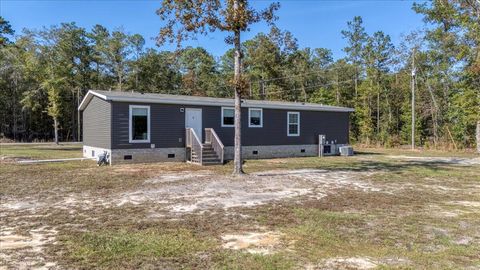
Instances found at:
x=193 y=119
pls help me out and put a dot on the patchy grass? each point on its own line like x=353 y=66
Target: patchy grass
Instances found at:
x=245 y=261
x=40 y=151
x=426 y=215
x=468 y=153
x=140 y=248
x=321 y=234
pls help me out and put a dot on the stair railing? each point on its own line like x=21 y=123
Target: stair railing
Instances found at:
x=212 y=138
x=192 y=141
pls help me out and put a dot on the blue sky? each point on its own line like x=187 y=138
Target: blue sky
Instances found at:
x=314 y=23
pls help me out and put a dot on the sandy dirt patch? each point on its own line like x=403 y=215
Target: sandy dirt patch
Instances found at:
x=253 y=242
x=171 y=195
x=11 y=159
x=453 y=209
x=26 y=251
x=469 y=204
x=197 y=192
x=186 y=192
x=327 y=179
x=440 y=211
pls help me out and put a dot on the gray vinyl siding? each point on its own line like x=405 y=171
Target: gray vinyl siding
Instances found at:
x=97 y=121
x=334 y=125
x=167 y=124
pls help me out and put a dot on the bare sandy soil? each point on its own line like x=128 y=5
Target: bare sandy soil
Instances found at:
x=172 y=195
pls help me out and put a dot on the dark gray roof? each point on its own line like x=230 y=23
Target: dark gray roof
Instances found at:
x=206 y=101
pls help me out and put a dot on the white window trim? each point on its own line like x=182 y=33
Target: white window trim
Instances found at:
x=261 y=118
x=130 y=137
x=221 y=119
x=288 y=125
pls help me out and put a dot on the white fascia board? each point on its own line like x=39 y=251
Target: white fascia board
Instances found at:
x=89 y=97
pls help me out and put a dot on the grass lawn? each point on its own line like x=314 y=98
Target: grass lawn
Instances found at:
x=40 y=151
x=381 y=209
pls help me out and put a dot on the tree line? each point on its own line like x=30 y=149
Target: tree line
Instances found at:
x=45 y=73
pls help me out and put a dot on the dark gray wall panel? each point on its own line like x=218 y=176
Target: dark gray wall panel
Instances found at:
x=168 y=126
x=334 y=125
x=97 y=123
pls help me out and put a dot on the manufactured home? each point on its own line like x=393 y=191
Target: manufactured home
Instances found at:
x=135 y=127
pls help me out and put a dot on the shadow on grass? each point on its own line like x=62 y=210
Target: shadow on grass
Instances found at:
x=364 y=166
x=60 y=149
x=364 y=153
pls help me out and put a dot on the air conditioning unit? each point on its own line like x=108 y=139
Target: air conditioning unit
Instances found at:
x=346 y=151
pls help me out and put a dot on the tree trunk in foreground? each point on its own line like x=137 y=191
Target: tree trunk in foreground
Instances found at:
x=55 y=127
x=237 y=168
x=478 y=136
x=237 y=160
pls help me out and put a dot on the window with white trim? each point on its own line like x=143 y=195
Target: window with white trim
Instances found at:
x=139 y=124
x=228 y=117
x=293 y=123
x=255 y=117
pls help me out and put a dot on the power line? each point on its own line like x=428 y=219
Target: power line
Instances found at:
x=308 y=87
x=265 y=93
x=294 y=76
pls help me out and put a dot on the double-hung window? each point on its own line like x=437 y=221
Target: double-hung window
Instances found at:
x=139 y=124
x=255 y=117
x=293 y=123
x=228 y=117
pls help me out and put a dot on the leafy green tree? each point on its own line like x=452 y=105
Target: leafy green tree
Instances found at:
x=322 y=96
x=5 y=31
x=363 y=112
x=54 y=87
x=118 y=51
x=454 y=43
x=112 y=54
x=199 y=72
x=70 y=64
x=58 y=54
x=266 y=62
x=356 y=38
x=226 y=69
x=99 y=38
x=322 y=58
x=262 y=61
x=137 y=42
x=158 y=72
x=378 y=53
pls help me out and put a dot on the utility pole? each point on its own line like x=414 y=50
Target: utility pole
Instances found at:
x=413 y=99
